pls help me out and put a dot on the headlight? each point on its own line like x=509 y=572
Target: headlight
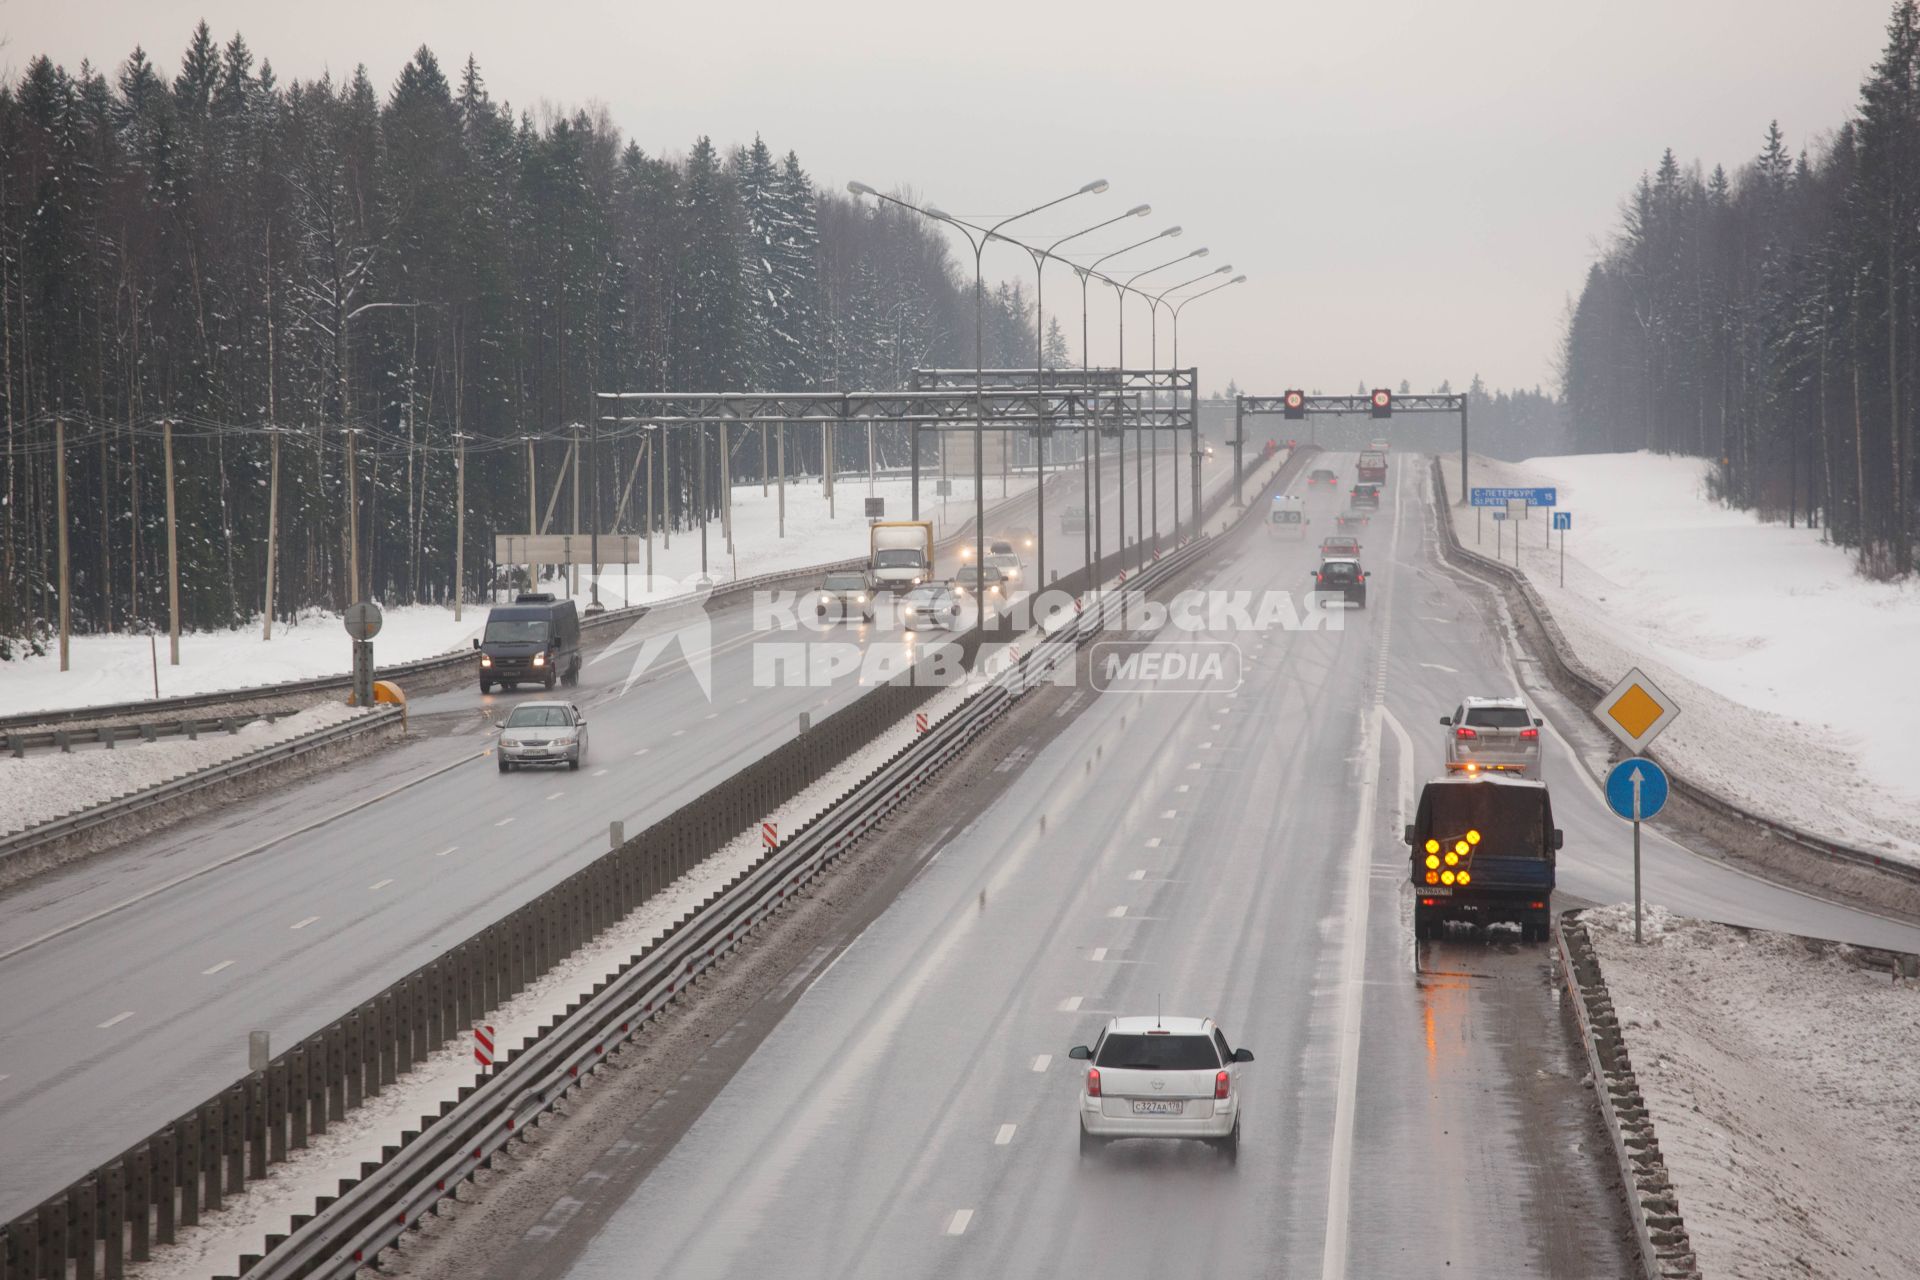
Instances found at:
x=485 y=661
x=860 y=599
x=916 y=581
x=562 y=742
x=539 y=659
x=909 y=611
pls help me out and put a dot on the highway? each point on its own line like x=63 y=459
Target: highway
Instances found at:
x=1413 y=1110
x=131 y=980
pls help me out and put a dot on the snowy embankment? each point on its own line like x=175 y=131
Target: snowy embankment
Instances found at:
x=122 y=668
x=46 y=785
x=1794 y=675
x=1782 y=1084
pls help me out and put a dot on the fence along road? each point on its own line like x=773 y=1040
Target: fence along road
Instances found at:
x=298 y=932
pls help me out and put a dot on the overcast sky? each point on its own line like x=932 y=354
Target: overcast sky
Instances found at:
x=1413 y=188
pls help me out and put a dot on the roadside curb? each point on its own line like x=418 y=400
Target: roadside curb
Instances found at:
x=1666 y=1250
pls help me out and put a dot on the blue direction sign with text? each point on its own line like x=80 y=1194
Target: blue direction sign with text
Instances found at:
x=1651 y=782
x=1547 y=497
x=1563 y=519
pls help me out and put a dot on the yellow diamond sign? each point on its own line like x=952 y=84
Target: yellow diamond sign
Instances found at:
x=1635 y=710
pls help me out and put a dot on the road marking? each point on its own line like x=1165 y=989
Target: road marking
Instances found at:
x=1206 y=746
x=1040 y=1061
x=599 y=773
x=378 y=885
x=1071 y=1004
x=504 y=821
x=1116 y=913
x=1171 y=813
x=1005 y=1135
x=1195 y=765
x=1213 y=728
x=301 y=924
x=1434 y=666
x=556 y=795
x=1429 y=618
x=1153 y=842
x=1141 y=874
x=116 y=1019
x=678 y=732
x=957 y=1225
x=1097 y=954
x=444 y=852
x=1183 y=788
x=642 y=751
x=224 y=964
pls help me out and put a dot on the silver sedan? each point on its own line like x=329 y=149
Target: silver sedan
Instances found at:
x=543 y=733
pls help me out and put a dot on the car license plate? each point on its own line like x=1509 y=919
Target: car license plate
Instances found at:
x=1157 y=1108
x=1435 y=890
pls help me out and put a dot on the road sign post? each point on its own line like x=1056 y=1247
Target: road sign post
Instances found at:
x=1636 y=790
x=1499 y=534
x=363 y=622
x=1636 y=711
x=1563 y=521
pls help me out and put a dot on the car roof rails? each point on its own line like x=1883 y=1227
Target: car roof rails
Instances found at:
x=534 y=597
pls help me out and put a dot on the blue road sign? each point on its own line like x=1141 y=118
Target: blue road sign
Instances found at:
x=1652 y=785
x=1545 y=497
x=1500 y=514
x=1563 y=519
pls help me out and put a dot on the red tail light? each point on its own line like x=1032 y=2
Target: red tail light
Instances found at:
x=1538 y=906
x=1464 y=732
x=1221 y=1083
x=1093 y=1082
x=1360 y=577
x=1529 y=733
x=1319 y=577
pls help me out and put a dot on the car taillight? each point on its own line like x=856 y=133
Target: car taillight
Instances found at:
x=1319 y=577
x=1359 y=577
x=1093 y=1082
x=1221 y=1083
x=1529 y=733
x=1464 y=732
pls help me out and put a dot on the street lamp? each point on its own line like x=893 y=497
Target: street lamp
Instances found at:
x=979 y=246
x=1195 y=459
x=1153 y=313
x=1121 y=290
x=1087 y=273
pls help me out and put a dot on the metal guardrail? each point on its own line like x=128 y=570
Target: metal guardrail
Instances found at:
x=1574 y=680
x=17 y=743
x=118 y=1211
x=15 y=844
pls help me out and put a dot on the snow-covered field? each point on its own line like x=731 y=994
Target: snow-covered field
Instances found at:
x=1783 y=1087
x=1794 y=675
x=46 y=785
x=118 y=668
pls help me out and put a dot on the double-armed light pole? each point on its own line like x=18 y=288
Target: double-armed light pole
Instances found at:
x=1154 y=345
x=1121 y=290
x=979 y=244
x=1176 y=308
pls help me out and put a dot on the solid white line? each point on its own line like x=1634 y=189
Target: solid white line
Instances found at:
x=116 y=1019
x=1071 y=1004
x=1141 y=874
x=208 y=973
x=1040 y=1062
x=957 y=1225
x=504 y=821
x=378 y=885
x=1005 y=1135
x=1116 y=913
x=301 y=924
x=444 y=852
x=1097 y=954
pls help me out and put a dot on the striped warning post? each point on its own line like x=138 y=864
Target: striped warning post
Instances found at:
x=483 y=1044
x=769 y=834
x=919 y=722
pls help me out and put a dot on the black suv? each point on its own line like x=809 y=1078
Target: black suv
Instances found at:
x=1365 y=495
x=1344 y=578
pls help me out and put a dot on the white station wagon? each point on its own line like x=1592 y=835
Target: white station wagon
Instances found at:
x=1157 y=1077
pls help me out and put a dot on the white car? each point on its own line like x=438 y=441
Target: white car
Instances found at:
x=543 y=733
x=1158 y=1077
x=1007 y=563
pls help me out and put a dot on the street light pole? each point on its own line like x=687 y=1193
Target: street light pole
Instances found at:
x=1174 y=462
x=1121 y=290
x=1194 y=460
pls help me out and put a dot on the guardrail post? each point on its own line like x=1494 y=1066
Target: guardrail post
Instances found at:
x=82 y=1201
x=299 y=1098
x=353 y=1061
x=187 y=1170
x=23 y=1244
x=53 y=1238
x=164 y=1163
x=257 y=1123
x=233 y=1138
x=278 y=1074
x=113 y=1220
x=386 y=1026
x=212 y=1192
x=139 y=1202
x=319 y=1070
x=437 y=1001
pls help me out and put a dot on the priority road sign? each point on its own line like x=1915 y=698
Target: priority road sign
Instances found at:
x=1563 y=520
x=1636 y=711
x=1637 y=788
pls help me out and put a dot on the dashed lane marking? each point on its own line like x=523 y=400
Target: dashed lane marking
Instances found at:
x=1040 y=1061
x=444 y=852
x=1183 y=788
x=957 y=1224
x=1171 y=813
x=1116 y=913
x=301 y=924
x=1005 y=1135
x=1097 y=954
x=556 y=795
x=1071 y=1004
x=642 y=751
x=378 y=885
x=224 y=964
x=504 y=821
x=1153 y=842
x=599 y=773
x=1141 y=874
x=116 y=1019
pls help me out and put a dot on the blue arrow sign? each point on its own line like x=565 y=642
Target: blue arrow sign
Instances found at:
x=1637 y=774
x=1544 y=497
x=1500 y=514
x=1563 y=519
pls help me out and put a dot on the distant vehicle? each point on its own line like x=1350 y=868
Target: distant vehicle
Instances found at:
x=1365 y=495
x=1073 y=520
x=1352 y=520
x=900 y=555
x=1015 y=541
x=534 y=639
x=973 y=580
x=1377 y=446
x=1493 y=735
x=1160 y=1077
x=1207 y=449
x=846 y=594
x=1325 y=476
x=931 y=604
x=1344 y=578
x=1339 y=546
x=1373 y=467
x=1006 y=562
x=1483 y=850
x=543 y=733
x=1285 y=519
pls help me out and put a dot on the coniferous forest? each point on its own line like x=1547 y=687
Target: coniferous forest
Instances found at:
x=368 y=274
x=1769 y=319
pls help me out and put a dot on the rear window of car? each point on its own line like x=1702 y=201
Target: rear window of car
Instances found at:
x=1339 y=570
x=1498 y=717
x=845 y=582
x=1158 y=1053
x=1512 y=821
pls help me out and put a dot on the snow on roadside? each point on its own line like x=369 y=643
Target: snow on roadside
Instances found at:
x=1791 y=671
x=123 y=668
x=44 y=785
x=1782 y=1086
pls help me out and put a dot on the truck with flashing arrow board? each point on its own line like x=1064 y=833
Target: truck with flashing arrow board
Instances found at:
x=1482 y=852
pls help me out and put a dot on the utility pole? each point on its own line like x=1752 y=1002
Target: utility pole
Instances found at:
x=353 y=518
x=780 y=462
x=573 y=567
x=533 y=518
x=726 y=487
x=273 y=528
x=459 y=522
x=593 y=536
x=652 y=456
x=173 y=552
x=66 y=585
